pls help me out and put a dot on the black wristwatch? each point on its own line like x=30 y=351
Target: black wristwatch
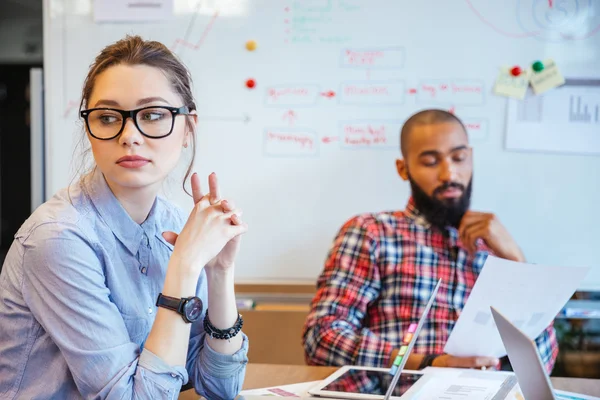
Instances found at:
x=428 y=360
x=190 y=308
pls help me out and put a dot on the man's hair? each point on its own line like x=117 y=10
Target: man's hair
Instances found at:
x=425 y=117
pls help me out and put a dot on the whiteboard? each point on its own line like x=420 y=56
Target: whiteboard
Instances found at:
x=315 y=141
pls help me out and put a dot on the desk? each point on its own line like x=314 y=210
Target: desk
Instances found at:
x=265 y=375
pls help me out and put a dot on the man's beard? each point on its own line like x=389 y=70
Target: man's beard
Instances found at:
x=442 y=213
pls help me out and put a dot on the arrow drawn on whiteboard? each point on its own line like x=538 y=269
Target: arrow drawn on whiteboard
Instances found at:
x=329 y=94
x=245 y=118
x=70 y=106
x=291 y=116
x=329 y=139
x=184 y=42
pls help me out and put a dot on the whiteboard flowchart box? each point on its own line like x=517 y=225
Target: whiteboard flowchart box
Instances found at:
x=452 y=92
x=286 y=142
x=292 y=95
x=382 y=93
x=370 y=134
x=373 y=58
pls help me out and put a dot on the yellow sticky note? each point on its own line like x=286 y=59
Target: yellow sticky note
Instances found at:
x=548 y=78
x=519 y=396
x=512 y=86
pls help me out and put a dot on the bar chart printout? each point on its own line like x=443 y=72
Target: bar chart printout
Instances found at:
x=564 y=120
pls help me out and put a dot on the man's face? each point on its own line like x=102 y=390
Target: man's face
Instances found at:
x=439 y=167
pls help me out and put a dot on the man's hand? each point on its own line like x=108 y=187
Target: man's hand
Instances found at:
x=446 y=360
x=486 y=226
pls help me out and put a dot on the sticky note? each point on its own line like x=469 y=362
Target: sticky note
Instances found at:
x=548 y=78
x=393 y=370
x=402 y=350
x=407 y=338
x=251 y=45
x=398 y=360
x=512 y=86
x=412 y=328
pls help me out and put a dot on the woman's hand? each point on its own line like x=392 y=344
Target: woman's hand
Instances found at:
x=211 y=236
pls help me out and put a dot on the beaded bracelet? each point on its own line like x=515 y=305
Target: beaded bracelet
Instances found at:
x=226 y=334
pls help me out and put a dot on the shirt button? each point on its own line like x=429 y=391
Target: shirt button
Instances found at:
x=174 y=376
x=149 y=310
x=143 y=270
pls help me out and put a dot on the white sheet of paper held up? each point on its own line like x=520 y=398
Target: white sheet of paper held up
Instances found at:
x=529 y=295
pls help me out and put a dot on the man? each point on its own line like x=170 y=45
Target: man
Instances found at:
x=383 y=267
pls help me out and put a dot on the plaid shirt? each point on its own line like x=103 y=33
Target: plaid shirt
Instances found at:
x=377 y=280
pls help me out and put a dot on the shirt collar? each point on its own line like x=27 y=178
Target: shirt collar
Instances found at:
x=415 y=215
x=114 y=215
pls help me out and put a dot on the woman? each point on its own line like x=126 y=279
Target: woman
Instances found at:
x=99 y=297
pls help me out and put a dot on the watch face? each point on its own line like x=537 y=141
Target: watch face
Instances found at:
x=193 y=309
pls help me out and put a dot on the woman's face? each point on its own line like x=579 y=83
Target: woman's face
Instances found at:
x=132 y=160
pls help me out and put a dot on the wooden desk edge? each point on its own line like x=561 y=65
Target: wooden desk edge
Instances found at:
x=266 y=375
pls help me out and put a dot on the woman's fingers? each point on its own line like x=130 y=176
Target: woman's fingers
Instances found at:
x=237 y=213
x=213 y=187
x=196 y=190
x=236 y=230
x=235 y=220
x=227 y=205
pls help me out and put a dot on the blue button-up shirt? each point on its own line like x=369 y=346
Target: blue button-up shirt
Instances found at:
x=77 y=301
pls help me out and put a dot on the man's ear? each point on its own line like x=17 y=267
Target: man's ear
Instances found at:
x=401 y=168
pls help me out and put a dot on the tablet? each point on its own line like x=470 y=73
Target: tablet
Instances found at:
x=354 y=382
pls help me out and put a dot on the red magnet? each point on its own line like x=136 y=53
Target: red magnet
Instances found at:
x=250 y=83
x=515 y=71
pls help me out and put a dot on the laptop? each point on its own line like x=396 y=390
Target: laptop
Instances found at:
x=525 y=360
x=357 y=382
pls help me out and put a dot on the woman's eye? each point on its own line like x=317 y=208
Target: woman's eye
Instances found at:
x=108 y=119
x=152 y=116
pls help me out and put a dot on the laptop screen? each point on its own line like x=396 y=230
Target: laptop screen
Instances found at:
x=406 y=349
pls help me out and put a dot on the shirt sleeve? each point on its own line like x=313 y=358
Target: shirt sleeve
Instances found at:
x=214 y=375
x=548 y=347
x=64 y=287
x=334 y=333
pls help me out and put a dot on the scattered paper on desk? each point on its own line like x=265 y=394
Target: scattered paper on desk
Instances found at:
x=511 y=86
x=549 y=78
x=562 y=395
x=465 y=384
x=295 y=390
x=132 y=10
x=529 y=295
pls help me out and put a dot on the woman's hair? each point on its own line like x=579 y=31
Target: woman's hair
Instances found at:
x=133 y=50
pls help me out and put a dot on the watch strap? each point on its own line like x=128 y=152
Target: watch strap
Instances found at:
x=428 y=360
x=172 y=303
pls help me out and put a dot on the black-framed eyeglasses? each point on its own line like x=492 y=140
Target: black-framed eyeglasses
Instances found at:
x=154 y=122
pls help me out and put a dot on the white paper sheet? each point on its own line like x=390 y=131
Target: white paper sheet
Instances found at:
x=132 y=10
x=562 y=395
x=515 y=394
x=465 y=384
x=295 y=390
x=529 y=295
